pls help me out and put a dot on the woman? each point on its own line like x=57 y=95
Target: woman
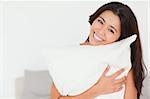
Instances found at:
x=112 y=22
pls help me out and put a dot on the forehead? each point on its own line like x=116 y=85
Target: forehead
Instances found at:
x=111 y=19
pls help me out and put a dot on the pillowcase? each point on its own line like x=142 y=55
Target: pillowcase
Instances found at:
x=74 y=69
x=37 y=85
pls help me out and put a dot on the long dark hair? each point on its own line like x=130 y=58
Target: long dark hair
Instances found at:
x=129 y=27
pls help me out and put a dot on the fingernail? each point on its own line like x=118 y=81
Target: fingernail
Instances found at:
x=122 y=69
x=125 y=77
x=121 y=87
x=125 y=81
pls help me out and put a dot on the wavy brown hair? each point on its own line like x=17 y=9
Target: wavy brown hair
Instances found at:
x=129 y=27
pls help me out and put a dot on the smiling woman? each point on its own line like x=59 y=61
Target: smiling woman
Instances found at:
x=105 y=29
x=113 y=22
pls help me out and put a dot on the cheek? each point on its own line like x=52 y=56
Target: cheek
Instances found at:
x=96 y=25
x=112 y=38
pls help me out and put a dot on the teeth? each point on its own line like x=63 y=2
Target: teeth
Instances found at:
x=97 y=38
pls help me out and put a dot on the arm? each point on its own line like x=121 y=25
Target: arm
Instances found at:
x=130 y=89
x=54 y=92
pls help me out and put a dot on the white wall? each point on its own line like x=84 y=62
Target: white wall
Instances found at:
x=27 y=27
x=1 y=44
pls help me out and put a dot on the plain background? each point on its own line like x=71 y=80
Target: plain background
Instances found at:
x=28 y=27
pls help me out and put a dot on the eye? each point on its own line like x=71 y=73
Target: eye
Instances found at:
x=100 y=21
x=110 y=30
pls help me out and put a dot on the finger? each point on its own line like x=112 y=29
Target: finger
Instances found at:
x=119 y=84
x=116 y=86
x=106 y=71
x=120 y=80
x=118 y=89
x=117 y=73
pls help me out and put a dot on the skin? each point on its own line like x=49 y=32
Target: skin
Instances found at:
x=104 y=30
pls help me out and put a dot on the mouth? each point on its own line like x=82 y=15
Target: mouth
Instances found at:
x=98 y=38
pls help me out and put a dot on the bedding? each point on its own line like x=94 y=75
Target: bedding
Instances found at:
x=75 y=69
x=37 y=85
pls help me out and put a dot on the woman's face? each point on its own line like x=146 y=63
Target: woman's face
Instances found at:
x=105 y=29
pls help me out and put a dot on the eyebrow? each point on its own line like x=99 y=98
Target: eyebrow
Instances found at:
x=110 y=25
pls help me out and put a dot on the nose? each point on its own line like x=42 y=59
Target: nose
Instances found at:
x=102 y=31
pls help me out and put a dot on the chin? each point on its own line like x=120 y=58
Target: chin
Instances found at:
x=95 y=43
x=92 y=42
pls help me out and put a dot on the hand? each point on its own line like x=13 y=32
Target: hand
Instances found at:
x=106 y=84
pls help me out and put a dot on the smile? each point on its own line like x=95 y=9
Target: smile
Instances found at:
x=98 y=37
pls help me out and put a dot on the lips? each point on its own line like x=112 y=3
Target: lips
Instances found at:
x=99 y=38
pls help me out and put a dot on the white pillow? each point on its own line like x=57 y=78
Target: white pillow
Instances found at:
x=74 y=69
